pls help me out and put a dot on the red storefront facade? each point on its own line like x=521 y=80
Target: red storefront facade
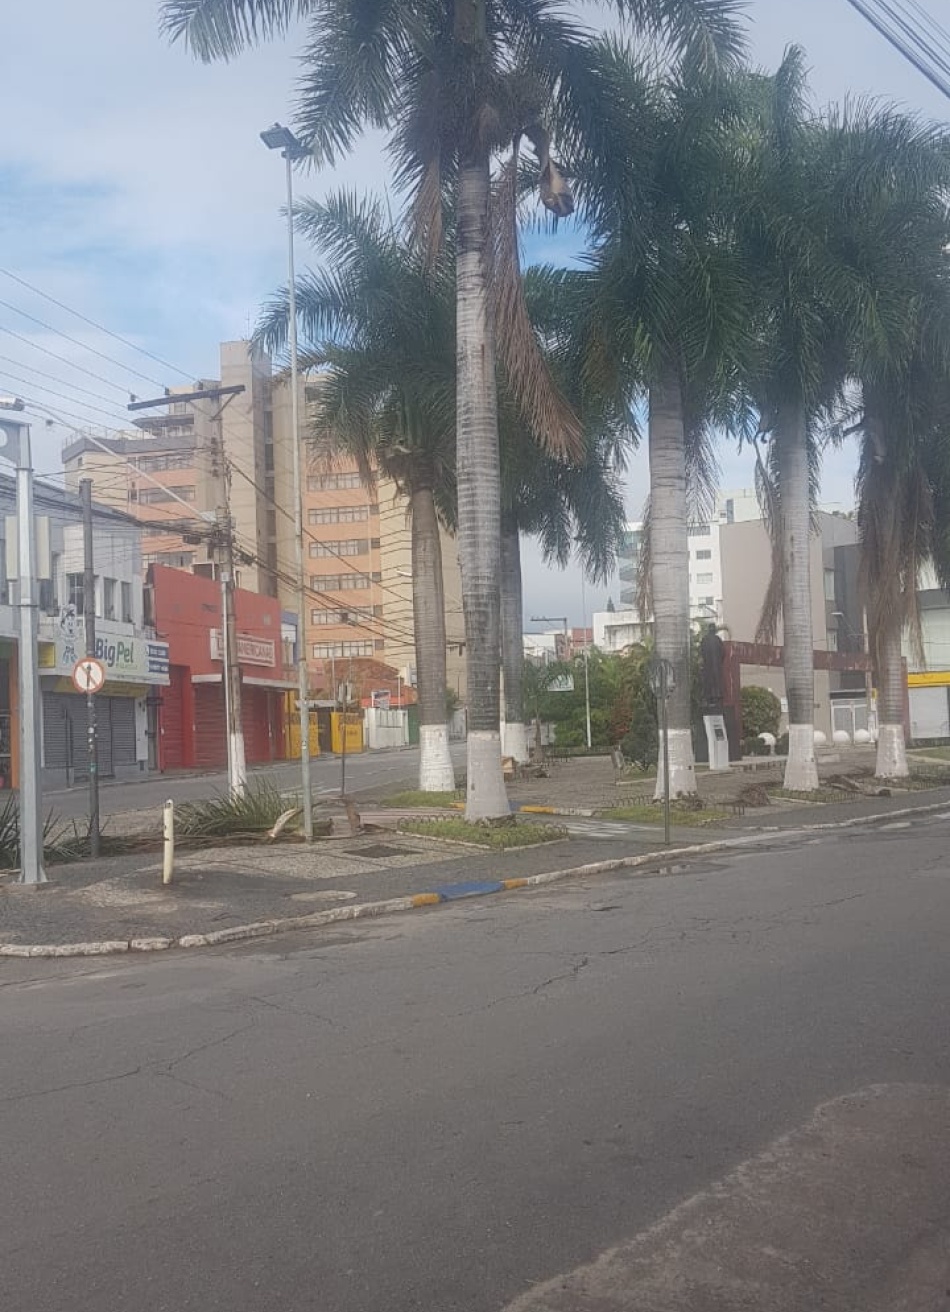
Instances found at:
x=192 y=728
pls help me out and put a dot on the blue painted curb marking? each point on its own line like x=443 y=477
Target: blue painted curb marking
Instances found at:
x=475 y=888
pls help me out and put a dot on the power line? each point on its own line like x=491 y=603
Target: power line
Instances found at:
x=83 y=346
x=93 y=324
x=64 y=359
x=52 y=378
x=914 y=46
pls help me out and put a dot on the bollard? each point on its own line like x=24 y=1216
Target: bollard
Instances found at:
x=168 y=833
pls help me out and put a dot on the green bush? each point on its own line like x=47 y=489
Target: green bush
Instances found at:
x=781 y=745
x=253 y=812
x=761 y=712
x=754 y=747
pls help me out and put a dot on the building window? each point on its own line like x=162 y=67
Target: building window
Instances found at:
x=704 y=555
x=342 y=547
x=158 y=464
x=829 y=585
x=108 y=599
x=333 y=482
x=126 y=603
x=338 y=515
x=339 y=582
x=831 y=640
x=699 y=531
x=704 y=578
x=325 y=651
x=154 y=496
x=173 y=559
x=74 y=592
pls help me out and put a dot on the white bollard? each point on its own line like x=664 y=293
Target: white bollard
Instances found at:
x=168 y=833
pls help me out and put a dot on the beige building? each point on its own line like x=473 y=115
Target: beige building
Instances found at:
x=357 y=541
x=837 y=615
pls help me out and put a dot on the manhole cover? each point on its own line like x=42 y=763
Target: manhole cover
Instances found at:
x=376 y=850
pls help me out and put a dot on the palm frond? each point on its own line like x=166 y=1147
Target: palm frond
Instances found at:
x=708 y=32
x=221 y=29
x=551 y=419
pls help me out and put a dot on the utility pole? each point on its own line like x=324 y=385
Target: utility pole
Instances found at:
x=224 y=553
x=89 y=625
x=15 y=447
x=230 y=657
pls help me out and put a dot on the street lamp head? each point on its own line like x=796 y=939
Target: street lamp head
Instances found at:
x=277 y=137
x=12 y=403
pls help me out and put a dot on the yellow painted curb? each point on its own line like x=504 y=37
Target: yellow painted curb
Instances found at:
x=426 y=899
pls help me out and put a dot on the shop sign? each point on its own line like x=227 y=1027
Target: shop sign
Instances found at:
x=126 y=658
x=251 y=650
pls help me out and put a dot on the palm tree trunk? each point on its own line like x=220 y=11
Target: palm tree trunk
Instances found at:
x=479 y=491
x=436 y=772
x=512 y=651
x=801 y=769
x=891 y=746
x=669 y=573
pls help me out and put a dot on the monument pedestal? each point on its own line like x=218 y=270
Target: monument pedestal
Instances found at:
x=717 y=740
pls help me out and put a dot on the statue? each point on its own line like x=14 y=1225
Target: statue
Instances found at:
x=712 y=657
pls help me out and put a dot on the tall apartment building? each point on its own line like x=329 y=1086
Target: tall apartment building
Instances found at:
x=170 y=455
x=359 y=604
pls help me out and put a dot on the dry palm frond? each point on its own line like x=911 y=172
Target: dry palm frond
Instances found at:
x=552 y=421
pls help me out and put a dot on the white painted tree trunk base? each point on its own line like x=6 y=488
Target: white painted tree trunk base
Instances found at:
x=436 y=771
x=801 y=768
x=514 y=742
x=682 y=766
x=891 y=753
x=486 y=796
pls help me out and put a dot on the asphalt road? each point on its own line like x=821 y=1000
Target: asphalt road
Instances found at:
x=366 y=772
x=458 y=1109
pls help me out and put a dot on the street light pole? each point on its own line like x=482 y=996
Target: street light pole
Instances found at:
x=15 y=447
x=281 y=138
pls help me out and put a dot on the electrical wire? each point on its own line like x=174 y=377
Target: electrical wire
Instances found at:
x=93 y=324
x=914 y=45
x=63 y=359
x=83 y=346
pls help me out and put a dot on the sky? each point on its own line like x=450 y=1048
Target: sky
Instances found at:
x=134 y=189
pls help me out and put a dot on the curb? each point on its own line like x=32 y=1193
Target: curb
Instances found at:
x=450 y=893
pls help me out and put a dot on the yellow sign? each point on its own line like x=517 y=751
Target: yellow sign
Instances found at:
x=929 y=679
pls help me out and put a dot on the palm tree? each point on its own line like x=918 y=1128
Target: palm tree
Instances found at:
x=571 y=507
x=889 y=227
x=798 y=371
x=380 y=323
x=455 y=82
x=670 y=318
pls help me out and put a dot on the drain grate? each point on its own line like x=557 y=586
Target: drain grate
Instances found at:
x=379 y=850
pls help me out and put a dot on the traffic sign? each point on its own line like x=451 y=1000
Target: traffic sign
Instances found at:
x=89 y=675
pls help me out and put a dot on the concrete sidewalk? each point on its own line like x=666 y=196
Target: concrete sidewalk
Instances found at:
x=122 y=899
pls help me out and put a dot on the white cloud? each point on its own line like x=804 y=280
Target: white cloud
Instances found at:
x=135 y=187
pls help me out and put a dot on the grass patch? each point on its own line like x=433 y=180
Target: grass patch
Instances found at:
x=652 y=814
x=935 y=753
x=495 y=837
x=820 y=796
x=415 y=797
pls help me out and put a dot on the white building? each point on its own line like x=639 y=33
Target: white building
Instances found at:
x=617 y=630
x=136 y=664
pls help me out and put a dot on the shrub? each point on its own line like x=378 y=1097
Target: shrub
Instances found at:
x=754 y=747
x=781 y=745
x=253 y=812
x=761 y=712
